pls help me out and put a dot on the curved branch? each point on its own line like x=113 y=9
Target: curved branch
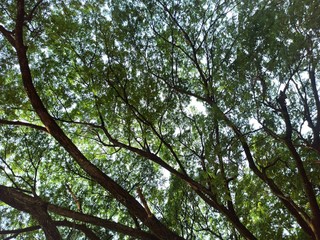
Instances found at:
x=31 y=14
x=123 y=196
x=16 y=232
x=113 y=226
x=32 y=205
x=83 y=228
x=8 y=35
x=37 y=207
x=301 y=216
x=307 y=185
x=23 y=124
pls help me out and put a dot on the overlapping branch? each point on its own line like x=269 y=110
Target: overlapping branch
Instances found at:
x=54 y=129
x=39 y=209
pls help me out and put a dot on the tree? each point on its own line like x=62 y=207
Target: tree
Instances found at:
x=160 y=119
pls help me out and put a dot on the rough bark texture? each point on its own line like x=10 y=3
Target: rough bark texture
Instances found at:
x=39 y=209
x=34 y=206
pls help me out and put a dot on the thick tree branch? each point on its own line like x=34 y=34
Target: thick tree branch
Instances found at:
x=24 y=124
x=316 y=128
x=53 y=128
x=83 y=228
x=302 y=218
x=117 y=227
x=15 y=232
x=307 y=186
x=35 y=206
x=32 y=205
x=8 y=35
x=144 y=202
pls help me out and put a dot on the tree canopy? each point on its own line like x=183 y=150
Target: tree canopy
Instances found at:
x=158 y=119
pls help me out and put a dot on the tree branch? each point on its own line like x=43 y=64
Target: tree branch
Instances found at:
x=8 y=35
x=302 y=218
x=117 y=227
x=123 y=196
x=32 y=205
x=144 y=202
x=83 y=228
x=36 y=206
x=31 y=14
x=24 y=124
x=75 y=198
x=316 y=128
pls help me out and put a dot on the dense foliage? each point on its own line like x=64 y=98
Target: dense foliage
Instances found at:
x=158 y=119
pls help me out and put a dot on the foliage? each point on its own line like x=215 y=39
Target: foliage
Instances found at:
x=157 y=119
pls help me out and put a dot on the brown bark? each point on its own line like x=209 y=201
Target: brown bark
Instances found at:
x=34 y=206
x=101 y=222
x=83 y=228
x=302 y=218
x=144 y=202
x=307 y=186
x=315 y=127
x=53 y=128
x=88 y=232
x=39 y=209
x=23 y=124
x=122 y=196
x=75 y=198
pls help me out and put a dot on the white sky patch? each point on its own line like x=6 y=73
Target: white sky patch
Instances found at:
x=105 y=10
x=195 y=107
x=105 y=58
x=254 y=123
x=305 y=128
x=282 y=86
x=166 y=176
